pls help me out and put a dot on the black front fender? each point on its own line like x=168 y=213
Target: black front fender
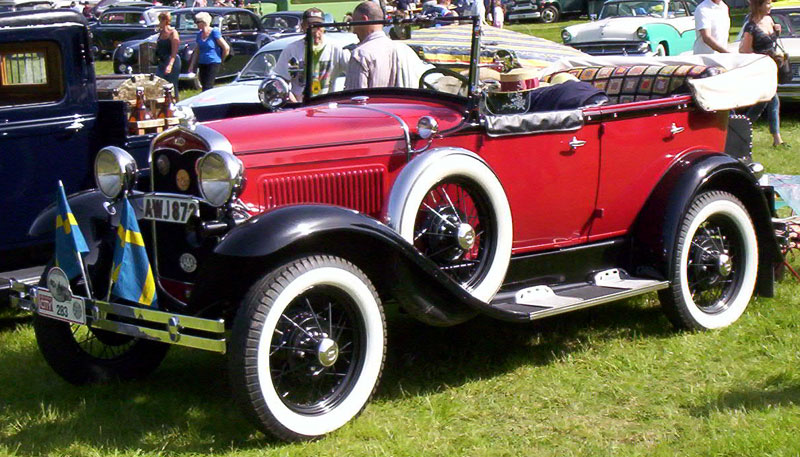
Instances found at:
x=86 y=205
x=272 y=239
x=657 y=228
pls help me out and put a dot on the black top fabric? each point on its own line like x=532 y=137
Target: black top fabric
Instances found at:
x=763 y=43
x=564 y=96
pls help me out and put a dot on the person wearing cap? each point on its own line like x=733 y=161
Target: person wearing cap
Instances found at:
x=378 y=61
x=210 y=52
x=329 y=60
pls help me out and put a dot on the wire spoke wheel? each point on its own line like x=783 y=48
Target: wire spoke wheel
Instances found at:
x=714 y=264
x=101 y=344
x=455 y=229
x=316 y=350
x=714 y=267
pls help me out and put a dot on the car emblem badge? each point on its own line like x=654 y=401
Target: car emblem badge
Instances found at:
x=58 y=284
x=179 y=141
x=188 y=263
x=182 y=180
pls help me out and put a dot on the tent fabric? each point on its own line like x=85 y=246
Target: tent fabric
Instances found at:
x=748 y=79
x=451 y=45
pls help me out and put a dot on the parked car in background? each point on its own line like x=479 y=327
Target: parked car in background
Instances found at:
x=276 y=237
x=51 y=123
x=221 y=100
x=282 y=23
x=25 y=5
x=635 y=27
x=241 y=28
x=788 y=16
x=120 y=24
x=547 y=11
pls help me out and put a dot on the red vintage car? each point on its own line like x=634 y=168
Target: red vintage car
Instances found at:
x=275 y=236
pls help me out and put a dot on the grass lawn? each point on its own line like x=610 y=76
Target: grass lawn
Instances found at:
x=615 y=380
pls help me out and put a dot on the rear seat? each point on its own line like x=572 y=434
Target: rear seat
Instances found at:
x=625 y=84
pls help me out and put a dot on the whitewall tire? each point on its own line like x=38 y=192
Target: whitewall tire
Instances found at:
x=456 y=213
x=308 y=347
x=715 y=264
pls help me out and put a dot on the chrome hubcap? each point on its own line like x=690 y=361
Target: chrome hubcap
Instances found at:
x=466 y=236
x=327 y=352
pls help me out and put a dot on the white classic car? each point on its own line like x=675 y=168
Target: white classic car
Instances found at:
x=787 y=14
x=636 y=27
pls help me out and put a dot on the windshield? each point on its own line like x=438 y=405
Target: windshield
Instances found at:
x=281 y=22
x=789 y=21
x=184 y=22
x=260 y=65
x=633 y=9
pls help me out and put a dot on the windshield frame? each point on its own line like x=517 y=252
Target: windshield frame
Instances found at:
x=664 y=13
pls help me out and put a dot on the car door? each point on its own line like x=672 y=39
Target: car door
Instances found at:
x=47 y=113
x=550 y=180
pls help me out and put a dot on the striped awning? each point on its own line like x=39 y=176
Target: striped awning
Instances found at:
x=451 y=45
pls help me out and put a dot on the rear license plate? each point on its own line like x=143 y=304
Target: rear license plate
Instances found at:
x=170 y=209
x=73 y=310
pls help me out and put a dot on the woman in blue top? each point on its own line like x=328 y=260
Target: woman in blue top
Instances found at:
x=211 y=51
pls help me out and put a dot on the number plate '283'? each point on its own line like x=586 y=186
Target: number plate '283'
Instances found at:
x=170 y=209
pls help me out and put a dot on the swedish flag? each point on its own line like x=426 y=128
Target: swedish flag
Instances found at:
x=70 y=243
x=131 y=273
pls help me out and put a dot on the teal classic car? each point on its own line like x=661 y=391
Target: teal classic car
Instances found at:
x=636 y=27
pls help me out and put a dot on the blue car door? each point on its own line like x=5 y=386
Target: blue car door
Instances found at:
x=48 y=107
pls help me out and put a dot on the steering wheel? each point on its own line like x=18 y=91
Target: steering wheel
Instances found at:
x=445 y=72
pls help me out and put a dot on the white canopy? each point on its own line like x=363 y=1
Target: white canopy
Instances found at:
x=748 y=79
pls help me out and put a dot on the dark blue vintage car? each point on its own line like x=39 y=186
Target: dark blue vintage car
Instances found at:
x=51 y=122
x=117 y=25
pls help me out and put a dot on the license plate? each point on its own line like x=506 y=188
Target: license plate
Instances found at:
x=170 y=209
x=73 y=310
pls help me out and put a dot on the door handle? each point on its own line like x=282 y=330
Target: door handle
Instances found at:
x=674 y=129
x=576 y=143
x=76 y=125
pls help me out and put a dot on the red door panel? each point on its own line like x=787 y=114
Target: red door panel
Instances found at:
x=636 y=152
x=551 y=187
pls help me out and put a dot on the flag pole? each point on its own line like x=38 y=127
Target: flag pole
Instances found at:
x=86 y=281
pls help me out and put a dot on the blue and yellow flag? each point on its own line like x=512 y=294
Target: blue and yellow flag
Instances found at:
x=70 y=243
x=131 y=274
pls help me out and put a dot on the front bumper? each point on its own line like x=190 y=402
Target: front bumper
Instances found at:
x=150 y=324
x=614 y=48
x=524 y=14
x=789 y=92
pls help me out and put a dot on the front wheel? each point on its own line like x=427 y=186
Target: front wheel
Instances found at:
x=714 y=264
x=307 y=347
x=661 y=50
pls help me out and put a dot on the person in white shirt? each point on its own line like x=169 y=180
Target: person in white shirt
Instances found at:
x=712 y=25
x=329 y=60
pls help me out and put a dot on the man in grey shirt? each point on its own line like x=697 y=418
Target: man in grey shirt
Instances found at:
x=378 y=61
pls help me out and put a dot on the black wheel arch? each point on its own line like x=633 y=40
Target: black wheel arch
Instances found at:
x=393 y=265
x=657 y=226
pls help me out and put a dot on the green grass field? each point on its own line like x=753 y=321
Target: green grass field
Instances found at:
x=615 y=380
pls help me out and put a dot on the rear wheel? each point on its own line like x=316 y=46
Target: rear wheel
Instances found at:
x=661 y=50
x=715 y=263
x=307 y=347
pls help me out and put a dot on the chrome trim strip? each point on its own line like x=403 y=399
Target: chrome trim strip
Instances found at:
x=215 y=140
x=598 y=301
x=101 y=314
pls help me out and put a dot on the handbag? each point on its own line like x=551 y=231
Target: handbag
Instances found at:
x=784 y=66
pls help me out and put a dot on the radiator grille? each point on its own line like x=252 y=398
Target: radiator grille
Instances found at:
x=359 y=189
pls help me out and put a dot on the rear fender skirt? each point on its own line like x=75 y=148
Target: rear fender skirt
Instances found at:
x=277 y=236
x=657 y=225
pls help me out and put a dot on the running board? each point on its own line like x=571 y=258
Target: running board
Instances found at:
x=542 y=301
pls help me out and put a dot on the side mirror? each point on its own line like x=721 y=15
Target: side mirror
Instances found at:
x=273 y=92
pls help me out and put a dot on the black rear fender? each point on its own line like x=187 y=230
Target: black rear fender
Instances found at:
x=658 y=224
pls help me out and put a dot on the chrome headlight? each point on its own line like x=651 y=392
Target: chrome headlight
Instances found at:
x=565 y=36
x=641 y=32
x=220 y=176
x=127 y=52
x=114 y=171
